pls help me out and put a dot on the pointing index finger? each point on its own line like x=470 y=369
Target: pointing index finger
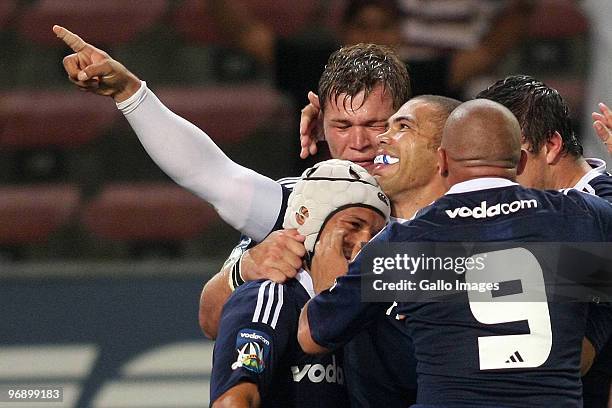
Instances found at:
x=72 y=40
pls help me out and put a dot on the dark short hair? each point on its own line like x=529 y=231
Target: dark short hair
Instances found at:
x=361 y=67
x=444 y=107
x=540 y=110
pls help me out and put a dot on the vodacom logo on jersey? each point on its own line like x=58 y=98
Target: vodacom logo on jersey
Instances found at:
x=485 y=211
x=317 y=373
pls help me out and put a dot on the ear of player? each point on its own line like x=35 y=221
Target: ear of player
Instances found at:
x=326 y=188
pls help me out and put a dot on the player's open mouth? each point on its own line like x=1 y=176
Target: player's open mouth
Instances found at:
x=385 y=159
x=384 y=163
x=366 y=164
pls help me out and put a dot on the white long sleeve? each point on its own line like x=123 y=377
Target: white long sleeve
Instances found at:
x=248 y=201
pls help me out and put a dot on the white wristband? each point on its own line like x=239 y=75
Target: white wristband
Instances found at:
x=133 y=101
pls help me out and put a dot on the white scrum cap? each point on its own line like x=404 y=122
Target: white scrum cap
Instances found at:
x=327 y=187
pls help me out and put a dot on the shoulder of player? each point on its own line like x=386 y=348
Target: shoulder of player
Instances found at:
x=265 y=300
x=589 y=202
x=265 y=287
x=602 y=186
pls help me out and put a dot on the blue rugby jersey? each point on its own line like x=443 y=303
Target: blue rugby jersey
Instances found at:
x=446 y=335
x=257 y=343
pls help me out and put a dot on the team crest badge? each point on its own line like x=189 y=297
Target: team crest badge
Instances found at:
x=252 y=347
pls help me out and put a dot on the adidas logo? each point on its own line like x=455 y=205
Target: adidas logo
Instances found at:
x=515 y=358
x=484 y=211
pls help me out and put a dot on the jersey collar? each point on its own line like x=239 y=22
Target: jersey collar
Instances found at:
x=598 y=167
x=306 y=281
x=478 y=184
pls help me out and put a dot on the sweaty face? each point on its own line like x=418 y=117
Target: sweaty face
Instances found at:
x=407 y=157
x=352 y=125
x=357 y=224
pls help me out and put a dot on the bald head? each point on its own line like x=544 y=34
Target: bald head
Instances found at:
x=481 y=138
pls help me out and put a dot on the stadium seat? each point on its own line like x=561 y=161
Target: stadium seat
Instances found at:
x=103 y=23
x=335 y=12
x=7 y=8
x=227 y=114
x=30 y=214
x=553 y=19
x=134 y=212
x=555 y=48
x=30 y=119
x=194 y=22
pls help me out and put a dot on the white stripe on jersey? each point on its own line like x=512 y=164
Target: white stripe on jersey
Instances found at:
x=269 y=302
x=260 y=298
x=279 y=306
x=288 y=182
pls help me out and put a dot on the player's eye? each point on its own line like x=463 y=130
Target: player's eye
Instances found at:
x=404 y=126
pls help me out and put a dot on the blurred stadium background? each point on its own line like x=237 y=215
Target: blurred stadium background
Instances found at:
x=102 y=257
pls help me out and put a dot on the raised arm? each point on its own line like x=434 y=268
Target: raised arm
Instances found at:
x=245 y=199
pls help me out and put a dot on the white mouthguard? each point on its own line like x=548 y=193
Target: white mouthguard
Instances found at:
x=385 y=159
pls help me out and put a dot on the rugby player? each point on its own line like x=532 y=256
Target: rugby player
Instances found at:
x=445 y=335
x=555 y=162
x=365 y=84
x=337 y=206
x=555 y=153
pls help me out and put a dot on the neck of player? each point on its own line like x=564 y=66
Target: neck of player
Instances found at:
x=406 y=203
x=568 y=172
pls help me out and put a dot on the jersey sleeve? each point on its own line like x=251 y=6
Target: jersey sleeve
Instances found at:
x=245 y=199
x=256 y=325
x=338 y=314
x=602 y=186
